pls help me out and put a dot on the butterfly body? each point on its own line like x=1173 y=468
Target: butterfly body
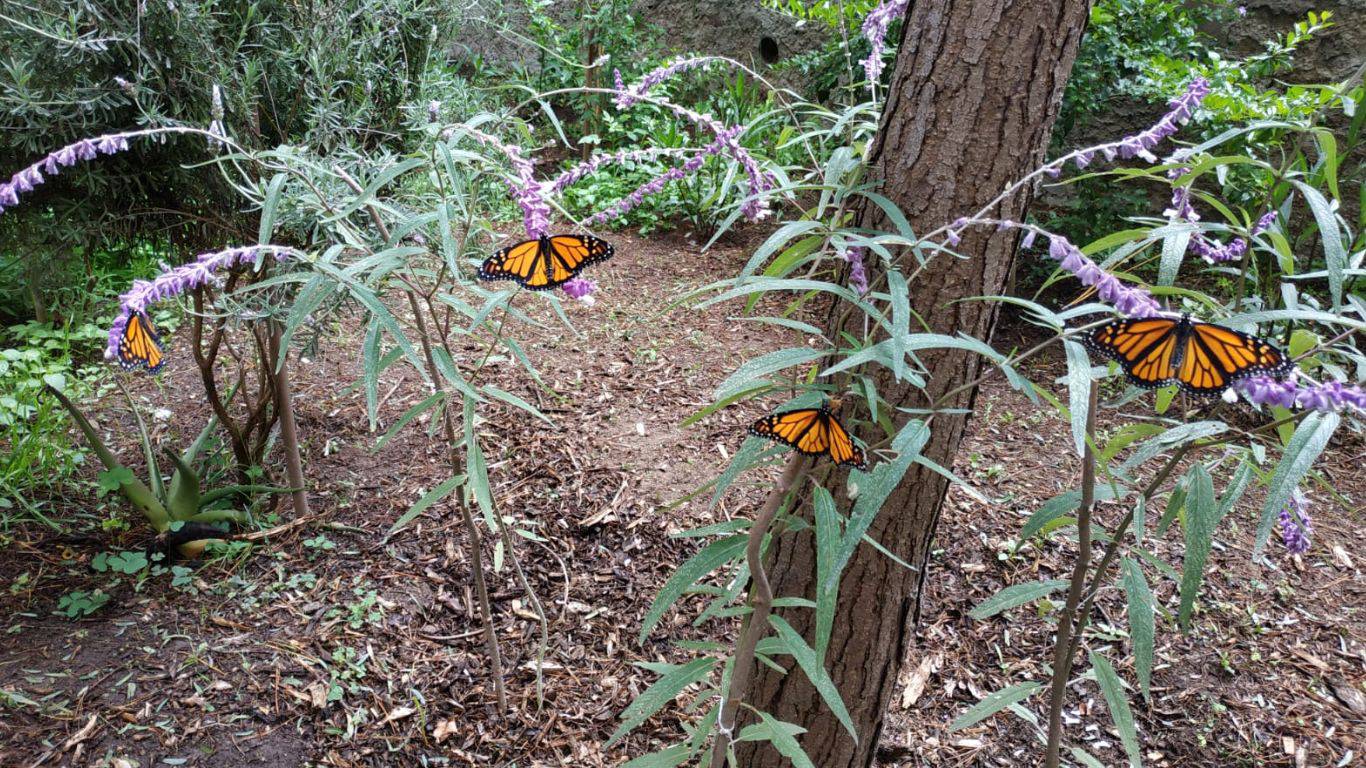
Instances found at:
x=812 y=432
x=1203 y=358
x=547 y=262
x=140 y=346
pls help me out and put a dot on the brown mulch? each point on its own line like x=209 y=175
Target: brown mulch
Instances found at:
x=369 y=653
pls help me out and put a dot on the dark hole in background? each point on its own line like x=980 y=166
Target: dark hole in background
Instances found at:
x=768 y=50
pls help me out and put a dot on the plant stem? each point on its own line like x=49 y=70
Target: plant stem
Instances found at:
x=760 y=603
x=481 y=589
x=289 y=433
x=1062 y=656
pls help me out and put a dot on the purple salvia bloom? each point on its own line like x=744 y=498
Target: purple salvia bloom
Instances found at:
x=1030 y=236
x=182 y=279
x=624 y=205
x=528 y=193
x=25 y=179
x=1129 y=300
x=1264 y=223
x=627 y=97
x=598 y=161
x=875 y=26
x=580 y=288
x=1296 y=525
x=858 y=273
x=1291 y=393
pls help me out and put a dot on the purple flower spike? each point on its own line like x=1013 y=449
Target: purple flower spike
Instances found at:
x=858 y=273
x=875 y=26
x=25 y=179
x=525 y=189
x=1264 y=223
x=627 y=97
x=182 y=279
x=1296 y=525
x=1129 y=300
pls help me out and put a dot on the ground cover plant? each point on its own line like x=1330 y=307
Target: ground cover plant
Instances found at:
x=493 y=410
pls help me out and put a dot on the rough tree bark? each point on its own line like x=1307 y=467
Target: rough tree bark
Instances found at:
x=973 y=97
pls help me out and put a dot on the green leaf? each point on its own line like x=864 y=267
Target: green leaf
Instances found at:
x=1309 y=440
x=1173 y=252
x=657 y=696
x=994 y=703
x=429 y=498
x=874 y=488
x=708 y=559
x=1016 y=595
x=1142 y=630
x=1334 y=250
x=783 y=741
x=744 y=377
x=827 y=548
x=1064 y=503
x=669 y=757
x=815 y=672
x=780 y=237
x=1078 y=391
x=269 y=204
x=1119 y=707
x=516 y=402
x=1173 y=437
x=1199 y=528
x=477 y=468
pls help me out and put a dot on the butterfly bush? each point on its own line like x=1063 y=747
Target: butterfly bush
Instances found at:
x=1296 y=525
x=182 y=279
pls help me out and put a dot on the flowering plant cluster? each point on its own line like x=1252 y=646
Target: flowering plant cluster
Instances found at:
x=176 y=281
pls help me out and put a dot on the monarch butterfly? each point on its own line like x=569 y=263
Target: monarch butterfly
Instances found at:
x=1201 y=357
x=545 y=263
x=140 y=347
x=813 y=432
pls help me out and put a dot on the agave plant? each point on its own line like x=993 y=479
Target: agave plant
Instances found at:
x=184 y=515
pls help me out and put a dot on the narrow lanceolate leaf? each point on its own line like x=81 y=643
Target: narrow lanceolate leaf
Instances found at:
x=657 y=696
x=743 y=378
x=1309 y=440
x=1016 y=595
x=1066 y=503
x=1201 y=510
x=429 y=498
x=1118 y=703
x=669 y=757
x=820 y=679
x=1334 y=251
x=708 y=559
x=782 y=740
x=1078 y=391
x=1142 y=610
x=1173 y=252
x=827 y=546
x=994 y=703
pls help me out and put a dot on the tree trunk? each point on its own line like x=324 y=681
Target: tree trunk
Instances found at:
x=974 y=93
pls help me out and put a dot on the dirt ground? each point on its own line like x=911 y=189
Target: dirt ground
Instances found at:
x=368 y=652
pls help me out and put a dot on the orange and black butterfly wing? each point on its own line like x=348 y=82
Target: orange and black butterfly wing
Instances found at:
x=140 y=347
x=813 y=432
x=1148 y=349
x=1215 y=357
x=787 y=427
x=570 y=254
x=524 y=263
x=842 y=447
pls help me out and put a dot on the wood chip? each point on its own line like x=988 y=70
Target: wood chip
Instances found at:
x=81 y=735
x=915 y=687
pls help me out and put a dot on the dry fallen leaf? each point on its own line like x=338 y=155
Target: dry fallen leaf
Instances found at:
x=915 y=687
x=444 y=729
x=81 y=735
